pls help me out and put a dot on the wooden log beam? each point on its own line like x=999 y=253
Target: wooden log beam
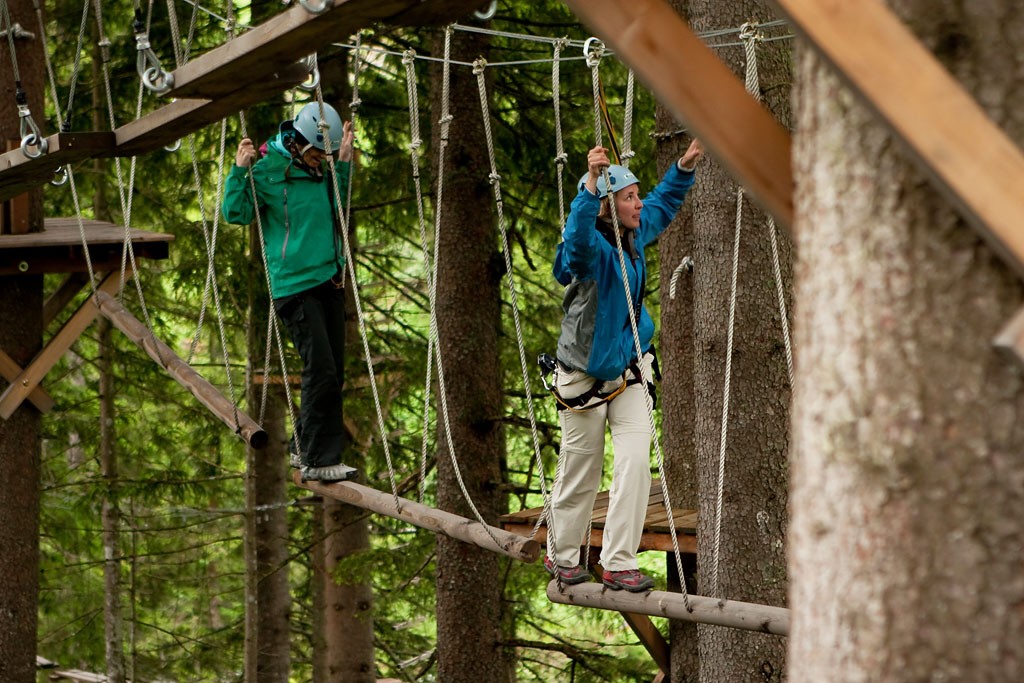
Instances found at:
x=62 y=296
x=292 y=35
x=20 y=174
x=976 y=166
x=180 y=118
x=742 y=615
x=439 y=521
x=10 y=370
x=702 y=92
x=186 y=376
x=29 y=378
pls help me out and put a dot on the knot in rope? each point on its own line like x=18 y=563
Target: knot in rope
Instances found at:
x=446 y=119
x=355 y=104
x=562 y=159
x=494 y=177
x=415 y=144
x=626 y=156
x=408 y=57
x=593 y=51
x=750 y=31
x=479 y=65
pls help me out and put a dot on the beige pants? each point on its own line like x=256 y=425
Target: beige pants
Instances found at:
x=583 y=461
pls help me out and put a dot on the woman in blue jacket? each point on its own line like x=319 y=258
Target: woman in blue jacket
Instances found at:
x=295 y=196
x=598 y=379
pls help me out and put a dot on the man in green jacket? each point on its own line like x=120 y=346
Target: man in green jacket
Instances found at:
x=296 y=199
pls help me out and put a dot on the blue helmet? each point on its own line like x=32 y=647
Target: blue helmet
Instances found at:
x=620 y=177
x=307 y=124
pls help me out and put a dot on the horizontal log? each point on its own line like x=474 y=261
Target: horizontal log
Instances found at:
x=742 y=615
x=208 y=395
x=432 y=519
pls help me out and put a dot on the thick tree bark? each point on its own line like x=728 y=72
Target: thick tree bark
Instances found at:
x=751 y=562
x=470 y=270
x=21 y=331
x=676 y=355
x=906 y=545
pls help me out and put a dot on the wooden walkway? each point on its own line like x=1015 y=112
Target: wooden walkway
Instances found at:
x=656 y=536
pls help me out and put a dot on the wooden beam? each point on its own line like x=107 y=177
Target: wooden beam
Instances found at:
x=439 y=521
x=976 y=166
x=742 y=615
x=10 y=370
x=29 y=378
x=180 y=118
x=702 y=92
x=208 y=395
x=288 y=37
x=62 y=296
x=645 y=630
x=20 y=174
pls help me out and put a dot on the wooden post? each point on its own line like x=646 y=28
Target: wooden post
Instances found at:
x=208 y=395
x=459 y=528
x=743 y=615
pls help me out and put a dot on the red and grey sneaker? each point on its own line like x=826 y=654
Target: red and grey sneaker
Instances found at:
x=630 y=579
x=570 y=576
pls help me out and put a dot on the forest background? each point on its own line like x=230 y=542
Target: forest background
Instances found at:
x=132 y=463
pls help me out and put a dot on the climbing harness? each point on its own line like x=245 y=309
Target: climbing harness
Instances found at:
x=595 y=396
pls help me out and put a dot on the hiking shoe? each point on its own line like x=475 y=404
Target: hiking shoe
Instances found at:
x=329 y=473
x=630 y=579
x=567 y=575
x=294 y=461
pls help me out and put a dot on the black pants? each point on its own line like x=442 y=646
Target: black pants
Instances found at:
x=316 y=324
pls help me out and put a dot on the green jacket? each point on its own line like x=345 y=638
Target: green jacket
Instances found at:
x=298 y=217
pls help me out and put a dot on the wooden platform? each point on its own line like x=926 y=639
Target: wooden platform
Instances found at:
x=656 y=536
x=58 y=249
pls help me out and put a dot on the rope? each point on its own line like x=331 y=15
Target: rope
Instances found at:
x=686 y=265
x=627 y=125
x=509 y=275
x=594 y=61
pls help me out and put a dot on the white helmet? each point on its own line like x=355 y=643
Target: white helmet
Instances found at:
x=307 y=124
x=620 y=177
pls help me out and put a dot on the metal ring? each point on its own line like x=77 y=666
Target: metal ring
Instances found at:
x=591 y=41
x=23 y=266
x=489 y=13
x=173 y=147
x=313 y=81
x=39 y=143
x=157 y=80
x=60 y=176
x=317 y=9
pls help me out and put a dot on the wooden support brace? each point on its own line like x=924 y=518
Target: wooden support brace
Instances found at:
x=10 y=371
x=701 y=91
x=62 y=296
x=208 y=395
x=27 y=380
x=742 y=615
x=20 y=174
x=977 y=167
x=439 y=521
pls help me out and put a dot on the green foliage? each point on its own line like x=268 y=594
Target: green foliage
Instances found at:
x=179 y=490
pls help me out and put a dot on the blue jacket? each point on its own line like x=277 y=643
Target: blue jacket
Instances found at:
x=297 y=213
x=596 y=334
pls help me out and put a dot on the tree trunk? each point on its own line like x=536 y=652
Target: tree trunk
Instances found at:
x=21 y=332
x=907 y=546
x=676 y=356
x=111 y=513
x=469 y=584
x=751 y=562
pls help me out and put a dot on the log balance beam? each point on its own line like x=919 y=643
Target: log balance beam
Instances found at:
x=741 y=615
x=439 y=521
x=208 y=395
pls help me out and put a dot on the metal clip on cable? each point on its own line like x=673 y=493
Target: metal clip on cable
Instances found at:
x=317 y=8
x=33 y=144
x=314 y=74
x=60 y=176
x=488 y=13
x=148 y=65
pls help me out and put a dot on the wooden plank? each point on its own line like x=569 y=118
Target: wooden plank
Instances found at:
x=29 y=378
x=439 y=521
x=180 y=118
x=701 y=91
x=976 y=166
x=734 y=614
x=207 y=394
x=10 y=371
x=292 y=35
x=20 y=174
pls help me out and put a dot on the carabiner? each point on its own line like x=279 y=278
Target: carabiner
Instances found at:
x=60 y=176
x=489 y=13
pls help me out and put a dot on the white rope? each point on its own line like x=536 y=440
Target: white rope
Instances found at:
x=685 y=266
x=627 y=125
x=594 y=61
